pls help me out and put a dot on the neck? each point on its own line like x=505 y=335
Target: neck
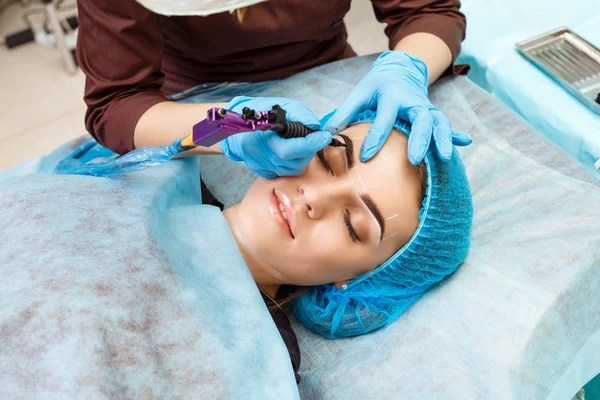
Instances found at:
x=257 y=269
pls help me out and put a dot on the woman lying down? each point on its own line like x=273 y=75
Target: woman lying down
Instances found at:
x=113 y=296
x=348 y=246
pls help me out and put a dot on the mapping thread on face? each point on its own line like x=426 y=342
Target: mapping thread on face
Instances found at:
x=361 y=185
x=361 y=189
x=355 y=177
x=357 y=181
x=389 y=236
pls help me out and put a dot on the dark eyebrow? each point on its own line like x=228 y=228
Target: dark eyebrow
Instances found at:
x=349 y=147
x=375 y=211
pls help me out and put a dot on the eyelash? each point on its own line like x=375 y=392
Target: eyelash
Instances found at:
x=351 y=230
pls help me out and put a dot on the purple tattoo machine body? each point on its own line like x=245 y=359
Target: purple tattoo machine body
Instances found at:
x=221 y=123
x=218 y=125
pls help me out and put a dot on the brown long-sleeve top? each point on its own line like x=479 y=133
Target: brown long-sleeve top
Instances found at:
x=133 y=58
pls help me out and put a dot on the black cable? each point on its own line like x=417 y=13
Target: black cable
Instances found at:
x=284 y=128
x=291 y=129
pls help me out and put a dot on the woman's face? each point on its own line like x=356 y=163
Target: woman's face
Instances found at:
x=329 y=225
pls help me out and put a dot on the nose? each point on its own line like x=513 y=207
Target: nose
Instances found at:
x=320 y=198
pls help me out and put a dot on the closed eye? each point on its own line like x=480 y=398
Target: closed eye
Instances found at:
x=351 y=230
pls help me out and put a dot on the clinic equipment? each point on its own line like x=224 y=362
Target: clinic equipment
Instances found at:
x=498 y=67
x=221 y=123
x=570 y=60
x=268 y=155
x=218 y=125
x=61 y=40
x=434 y=251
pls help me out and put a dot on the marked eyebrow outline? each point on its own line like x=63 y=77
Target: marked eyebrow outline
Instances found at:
x=375 y=211
x=366 y=199
x=349 y=150
x=348 y=146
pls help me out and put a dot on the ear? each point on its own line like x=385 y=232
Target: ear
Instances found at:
x=339 y=284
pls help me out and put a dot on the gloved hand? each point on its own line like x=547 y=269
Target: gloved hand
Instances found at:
x=396 y=86
x=265 y=153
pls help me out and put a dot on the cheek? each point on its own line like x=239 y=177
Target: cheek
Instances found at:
x=332 y=257
x=255 y=222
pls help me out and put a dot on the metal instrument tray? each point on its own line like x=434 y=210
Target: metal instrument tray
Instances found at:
x=570 y=60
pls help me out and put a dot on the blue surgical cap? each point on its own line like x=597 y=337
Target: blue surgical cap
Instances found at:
x=436 y=249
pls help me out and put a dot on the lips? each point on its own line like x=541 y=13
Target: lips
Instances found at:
x=280 y=208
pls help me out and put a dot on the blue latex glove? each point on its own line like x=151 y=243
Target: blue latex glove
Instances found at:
x=396 y=86
x=265 y=153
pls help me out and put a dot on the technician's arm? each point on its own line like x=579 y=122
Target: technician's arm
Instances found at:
x=429 y=48
x=425 y=38
x=168 y=121
x=120 y=49
x=431 y=30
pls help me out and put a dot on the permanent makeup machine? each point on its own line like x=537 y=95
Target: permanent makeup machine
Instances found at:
x=219 y=124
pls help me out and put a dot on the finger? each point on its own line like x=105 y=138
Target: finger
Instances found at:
x=303 y=147
x=354 y=104
x=295 y=110
x=442 y=134
x=461 y=138
x=420 y=135
x=387 y=112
